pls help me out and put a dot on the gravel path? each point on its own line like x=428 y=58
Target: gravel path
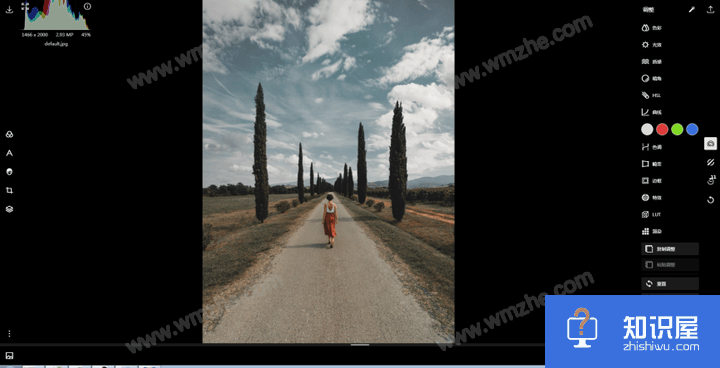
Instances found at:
x=314 y=294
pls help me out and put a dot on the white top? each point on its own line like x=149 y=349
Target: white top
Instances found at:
x=328 y=209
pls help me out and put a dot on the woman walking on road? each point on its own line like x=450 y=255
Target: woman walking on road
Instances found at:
x=330 y=219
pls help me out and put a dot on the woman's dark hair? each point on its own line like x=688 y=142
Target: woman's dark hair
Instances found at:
x=329 y=197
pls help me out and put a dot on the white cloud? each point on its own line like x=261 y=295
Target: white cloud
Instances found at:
x=278 y=72
x=429 y=151
x=389 y=36
x=318 y=100
x=420 y=105
x=341 y=77
x=263 y=22
x=445 y=72
x=242 y=169
x=367 y=97
x=326 y=157
x=326 y=62
x=377 y=106
x=273 y=143
x=211 y=62
x=378 y=142
x=307 y=135
x=293 y=160
x=420 y=119
x=327 y=71
x=244 y=116
x=420 y=59
x=293 y=17
x=272 y=32
x=426 y=96
x=331 y=20
x=273 y=170
x=422 y=2
x=393 y=19
x=277 y=157
x=272 y=123
x=426 y=152
x=349 y=63
x=221 y=126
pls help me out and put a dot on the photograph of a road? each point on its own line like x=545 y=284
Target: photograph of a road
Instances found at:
x=315 y=294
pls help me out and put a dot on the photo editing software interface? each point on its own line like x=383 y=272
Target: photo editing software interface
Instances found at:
x=336 y=137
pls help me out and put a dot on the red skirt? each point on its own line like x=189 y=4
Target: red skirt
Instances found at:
x=330 y=225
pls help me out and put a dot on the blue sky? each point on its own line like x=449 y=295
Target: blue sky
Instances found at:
x=326 y=66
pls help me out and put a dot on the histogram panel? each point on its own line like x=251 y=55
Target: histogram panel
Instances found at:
x=54 y=15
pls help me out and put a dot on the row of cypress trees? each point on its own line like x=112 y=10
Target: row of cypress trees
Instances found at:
x=397 y=182
x=314 y=188
x=262 y=187
x=344 y=184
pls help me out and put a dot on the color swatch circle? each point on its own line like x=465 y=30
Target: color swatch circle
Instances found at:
x=647 y=129
x=677 y=128
x=692 y=129
x=662 y=129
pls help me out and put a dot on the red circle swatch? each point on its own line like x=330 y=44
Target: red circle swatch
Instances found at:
x=662 y=129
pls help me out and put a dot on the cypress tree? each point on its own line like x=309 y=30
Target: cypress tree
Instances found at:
x=344 y=182
x=300 y=183
x=311 y=180
x=397 y=184
x=351 y=184
x=262 y=187
x=317 y=187
x=338 y=182
x=362 y=166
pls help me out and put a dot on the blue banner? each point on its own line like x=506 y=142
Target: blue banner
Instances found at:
x=631 y=330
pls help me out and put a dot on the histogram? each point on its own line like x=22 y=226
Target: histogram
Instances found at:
x=54 y=15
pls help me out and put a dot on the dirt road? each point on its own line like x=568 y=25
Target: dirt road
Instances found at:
x=314 y=294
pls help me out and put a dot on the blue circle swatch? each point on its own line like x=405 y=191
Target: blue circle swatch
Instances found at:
x=692 y=129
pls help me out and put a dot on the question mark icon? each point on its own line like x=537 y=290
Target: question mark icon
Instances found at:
x=587 y=317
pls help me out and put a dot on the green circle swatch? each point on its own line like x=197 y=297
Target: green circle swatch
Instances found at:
x=677 y=129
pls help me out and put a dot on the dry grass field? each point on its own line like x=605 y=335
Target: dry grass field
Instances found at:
x=215 y=205
x=239 y=240
x=424 y=244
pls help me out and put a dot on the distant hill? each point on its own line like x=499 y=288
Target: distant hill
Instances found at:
x=424 y=182
x=430 y=182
